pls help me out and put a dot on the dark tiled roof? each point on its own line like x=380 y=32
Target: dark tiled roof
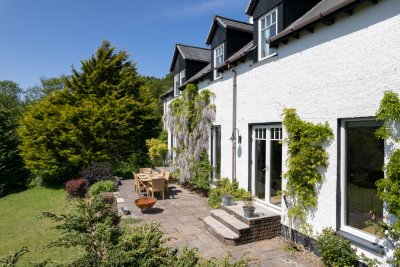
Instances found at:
x=191 y=53
x=228 y=23
x=322 y=10
x=238 y=55
x=199 y=75
x=234 y=24
x=194 y=53
x=167 y=93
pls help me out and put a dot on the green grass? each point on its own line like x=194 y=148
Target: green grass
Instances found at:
x=21 y=224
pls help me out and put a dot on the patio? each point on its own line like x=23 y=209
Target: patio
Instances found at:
x=181 y=216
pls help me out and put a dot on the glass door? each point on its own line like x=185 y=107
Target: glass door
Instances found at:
x=267 y=164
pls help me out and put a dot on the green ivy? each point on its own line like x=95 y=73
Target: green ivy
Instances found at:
x=306 y=155
x=389 y=186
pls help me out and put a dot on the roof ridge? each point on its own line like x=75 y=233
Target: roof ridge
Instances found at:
x=235 y=20
x=193 y=46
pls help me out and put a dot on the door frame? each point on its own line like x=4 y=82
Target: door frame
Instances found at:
x=252 y=176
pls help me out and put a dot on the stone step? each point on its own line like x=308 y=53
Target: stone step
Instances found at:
x=222 y=232
x=230 y=221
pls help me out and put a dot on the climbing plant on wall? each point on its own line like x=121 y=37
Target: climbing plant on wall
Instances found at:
x=306 y=155
x=190 y=118
x=389 y=186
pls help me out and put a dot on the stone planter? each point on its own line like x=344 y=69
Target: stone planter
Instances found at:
x=248 y=212
x=227 y=200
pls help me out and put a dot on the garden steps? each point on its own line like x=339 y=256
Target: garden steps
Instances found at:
x=229 y=221
x=219 y=230
x=266 y=224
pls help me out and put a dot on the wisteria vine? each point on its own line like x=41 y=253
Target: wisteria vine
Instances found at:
x=190 y=117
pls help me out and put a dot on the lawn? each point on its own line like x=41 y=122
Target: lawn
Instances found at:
x=21 y=224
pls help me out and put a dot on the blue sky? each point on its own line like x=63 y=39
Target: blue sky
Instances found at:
x=46 y=37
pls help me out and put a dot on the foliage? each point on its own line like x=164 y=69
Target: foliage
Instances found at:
x=14 y=175
x=306 y=156
x=105 y=113
x=190 y=118
x=97 y=171
x=225 y=187
x=335 y=250
x=389 y=186
x=125 y=168
x=93 y=226
x=77 y=187
x=21 y=225
x=248 y=199
x=201 y=172
x=102 y=186
x=158 y=151
x=46 y=87
x=13 y=257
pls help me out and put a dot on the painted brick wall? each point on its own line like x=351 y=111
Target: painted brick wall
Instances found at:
x=339 y=71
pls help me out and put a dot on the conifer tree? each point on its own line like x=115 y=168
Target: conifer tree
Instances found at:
x=104 y=113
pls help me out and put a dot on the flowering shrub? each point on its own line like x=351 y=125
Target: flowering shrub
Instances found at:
x=102 y=186
x=77 y=187
x=190 y=117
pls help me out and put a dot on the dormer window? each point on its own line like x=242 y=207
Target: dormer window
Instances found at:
x=268 y=27
x=219 y=58
x=182 y=77
x=179 y=80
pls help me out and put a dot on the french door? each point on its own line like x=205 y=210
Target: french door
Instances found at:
x=267 y=164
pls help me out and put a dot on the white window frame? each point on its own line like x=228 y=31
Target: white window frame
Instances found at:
x=176 y=84
x=270 y=51
x=182 y=77
x=221 y=49
x=343 y=187
x=179 y=80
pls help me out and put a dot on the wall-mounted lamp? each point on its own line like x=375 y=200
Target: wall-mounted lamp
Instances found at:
x=233 y=137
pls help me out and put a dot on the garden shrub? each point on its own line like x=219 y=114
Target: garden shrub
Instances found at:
x=335 y=250
x=97 y=171
x=225 y=187
x=77 y=187
x=102 y=186
x=158 y=151
x=13 y=257
x=201 y=172
x=135 y=161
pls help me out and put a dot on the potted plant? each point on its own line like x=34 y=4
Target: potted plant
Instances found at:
x=226 y=194
x=248 y=208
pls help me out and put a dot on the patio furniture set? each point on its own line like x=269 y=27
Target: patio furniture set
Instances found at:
x=150 y=181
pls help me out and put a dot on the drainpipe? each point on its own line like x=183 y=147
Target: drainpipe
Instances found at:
x=234 y=95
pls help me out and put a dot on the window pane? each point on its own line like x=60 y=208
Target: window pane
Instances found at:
x=273 y=16
x=263 y=23
x=268 y=18
x=272 y=31
x=260 y=154
x=365 y=156
x=275 y=173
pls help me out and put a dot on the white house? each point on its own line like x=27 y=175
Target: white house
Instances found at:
x=331 y=60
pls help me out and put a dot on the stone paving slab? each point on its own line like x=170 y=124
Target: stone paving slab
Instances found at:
x=180 y=217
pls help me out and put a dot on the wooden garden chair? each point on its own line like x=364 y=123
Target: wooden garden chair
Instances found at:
x=166 y=177
x=156 y=185
x=145 y=170
x=140 y=186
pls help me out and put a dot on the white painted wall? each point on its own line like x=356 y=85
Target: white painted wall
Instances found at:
x=339 y=71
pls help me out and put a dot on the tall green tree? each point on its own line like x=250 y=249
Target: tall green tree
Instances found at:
x=13 y=174
x=105 y=113
x=47 y=86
